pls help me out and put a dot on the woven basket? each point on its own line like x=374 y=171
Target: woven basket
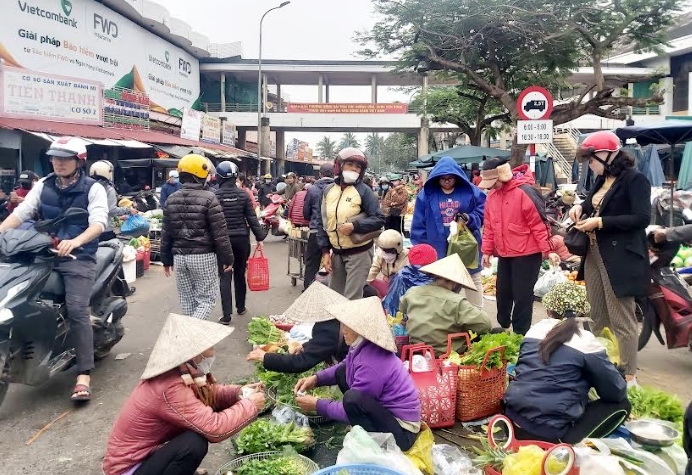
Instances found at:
x=308 y=465
x=480 y=391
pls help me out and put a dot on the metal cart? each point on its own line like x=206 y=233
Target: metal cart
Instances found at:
x=296 y=250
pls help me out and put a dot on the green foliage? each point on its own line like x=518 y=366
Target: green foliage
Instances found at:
x=349 y=140
x=326 y=148
x=264 y=435
x=654 y=403
x=398 y=151
x=475 y=357
x=261 y=332
x=279 y=465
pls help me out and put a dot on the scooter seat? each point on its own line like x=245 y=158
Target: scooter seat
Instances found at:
x=104 y=256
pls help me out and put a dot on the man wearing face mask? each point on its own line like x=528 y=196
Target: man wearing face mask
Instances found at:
x=390 y=259
x=170 y=187
x=394 y=204
x=350 y=220
x=26 y=181
x=616 y=266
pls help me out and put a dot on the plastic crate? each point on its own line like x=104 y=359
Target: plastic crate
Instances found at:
x=358 y=469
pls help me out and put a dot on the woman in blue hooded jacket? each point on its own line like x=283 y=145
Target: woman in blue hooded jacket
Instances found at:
x=446 y=194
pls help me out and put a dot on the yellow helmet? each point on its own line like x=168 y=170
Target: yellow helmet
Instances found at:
x=194 y=164
x=268 y=176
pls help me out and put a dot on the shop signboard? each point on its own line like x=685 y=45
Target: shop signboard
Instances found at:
x=229 y=133
x=335 y=108
x=85 y=39
x=211 y=129
x=125 y=109
x=32 y=95
x=192 y=124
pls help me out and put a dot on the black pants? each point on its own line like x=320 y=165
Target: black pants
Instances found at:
x=181 y=456
x=394 y=222
x=366 y=411
x=312 y=258
x=516 y=277
x=599 y=420
x=241 y=253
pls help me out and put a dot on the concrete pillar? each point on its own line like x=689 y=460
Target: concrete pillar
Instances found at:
x=265 y=87
x=223 y=92
x=666 y=84
x=423 y=137
x=281 y=151
x=326 y=93
x=242 y=139
x=265 y=145
x=279 y=102
x=373 y=93
x=320 y=88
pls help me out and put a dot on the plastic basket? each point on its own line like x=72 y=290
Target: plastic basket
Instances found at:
x=308 y=465
x=357 y=469
x=258 y=272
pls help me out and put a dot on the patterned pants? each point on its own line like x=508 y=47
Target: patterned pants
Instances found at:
x=197 y=279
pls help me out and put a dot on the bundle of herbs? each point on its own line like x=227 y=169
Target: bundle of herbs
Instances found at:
x=263 y=332
x=653 y=403
x=476 y=355
x=266 y=436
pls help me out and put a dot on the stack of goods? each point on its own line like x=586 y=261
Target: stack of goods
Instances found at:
x=683 y=258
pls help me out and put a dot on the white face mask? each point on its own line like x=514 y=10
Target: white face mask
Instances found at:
x=350 y=176
x=388 y=258
x=205 y=365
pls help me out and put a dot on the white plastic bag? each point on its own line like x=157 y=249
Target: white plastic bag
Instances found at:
x=547 y=281
x=375 y=448
x=448 y=459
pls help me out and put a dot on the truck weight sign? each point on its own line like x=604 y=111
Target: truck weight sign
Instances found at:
x=535 y=103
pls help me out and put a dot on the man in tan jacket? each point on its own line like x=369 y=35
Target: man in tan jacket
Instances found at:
x=394 y=204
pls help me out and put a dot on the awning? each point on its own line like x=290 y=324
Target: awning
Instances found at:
x=90 y=141
x=149 y=162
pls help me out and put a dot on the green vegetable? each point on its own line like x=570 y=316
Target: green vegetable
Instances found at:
x=653 y=403
x=280 y=465
x=475 y=356
x=284 y=383
x=262 y=332
x=266 y=436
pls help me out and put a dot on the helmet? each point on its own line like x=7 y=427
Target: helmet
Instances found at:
x=195 y=165
x=227 y=170
x=395 y=177
x=601 y=141
x=384 y=179
x=350 y=154
x=391 y=239
x=268 y=176
x=66 y=147
x=102 y=168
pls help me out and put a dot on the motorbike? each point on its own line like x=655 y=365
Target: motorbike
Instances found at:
x=271 y=214
x=669 y=301
x=146 y=200
x=33 y=324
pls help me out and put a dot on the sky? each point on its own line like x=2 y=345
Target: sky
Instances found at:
x=304 y=29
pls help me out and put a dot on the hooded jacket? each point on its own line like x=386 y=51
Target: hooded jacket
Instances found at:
x=514 y=219
x=313 y=202
x=427 y=226
x=238 y=211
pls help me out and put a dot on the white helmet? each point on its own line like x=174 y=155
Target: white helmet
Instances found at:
x=102 y=168
x=66 y=147
x=391 y=239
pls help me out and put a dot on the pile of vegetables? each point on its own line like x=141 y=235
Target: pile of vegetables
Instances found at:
x=284 y=383
x=141 y=243
x=683 y=258
x=489 y=285
x=266 y=436
x=262 y=332
x=653 y=403
x=476 y=355
x=285 y=463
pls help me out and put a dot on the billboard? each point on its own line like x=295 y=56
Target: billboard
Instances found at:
x=84 y=39
x=359 y=108
x=192 y=124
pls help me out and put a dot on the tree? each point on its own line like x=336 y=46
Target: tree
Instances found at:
x=326 y=147
x=398 y=150
x=349 y=140
x=374 y=143
x=503 y=46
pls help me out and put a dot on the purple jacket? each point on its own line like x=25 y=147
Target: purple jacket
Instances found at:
x=377 y=372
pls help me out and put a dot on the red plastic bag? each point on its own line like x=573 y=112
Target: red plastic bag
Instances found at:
x=258 y=272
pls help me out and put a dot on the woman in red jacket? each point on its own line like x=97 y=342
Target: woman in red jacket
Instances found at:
x=515 y=231
x=169 y=419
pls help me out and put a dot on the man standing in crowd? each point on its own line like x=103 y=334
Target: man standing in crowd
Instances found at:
x=394 y=204
x=240 y=219
x=70 y=187
x=102 y=172
x=266 y=188
x=170 y=187
x=194 y=239
x=312 y=212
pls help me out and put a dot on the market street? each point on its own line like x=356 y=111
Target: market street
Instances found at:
x=76 y=443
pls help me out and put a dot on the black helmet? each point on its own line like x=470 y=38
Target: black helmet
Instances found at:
x=227 y=170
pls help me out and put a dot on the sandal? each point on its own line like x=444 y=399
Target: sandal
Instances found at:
x=81 y=388
x=201 y=471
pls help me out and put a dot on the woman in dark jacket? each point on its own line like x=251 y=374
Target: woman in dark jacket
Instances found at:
x=616 y=266
x=327 y=343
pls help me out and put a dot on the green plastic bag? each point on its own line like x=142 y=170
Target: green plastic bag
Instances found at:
x=465 y=245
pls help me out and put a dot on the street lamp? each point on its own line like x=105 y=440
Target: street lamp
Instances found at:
x=260 y=105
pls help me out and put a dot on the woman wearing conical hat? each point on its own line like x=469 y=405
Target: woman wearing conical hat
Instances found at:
x=438 y=308
x=379 y=394
x=326 y=345
x=178 y=408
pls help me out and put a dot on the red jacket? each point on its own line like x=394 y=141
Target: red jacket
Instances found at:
x=160 y=409
x=295 y=209
x=513 y=225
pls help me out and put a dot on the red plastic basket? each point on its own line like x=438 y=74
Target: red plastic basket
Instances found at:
x=437 y=388
x=258 y=272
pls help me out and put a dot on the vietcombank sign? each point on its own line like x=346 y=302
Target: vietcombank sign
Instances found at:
x=84 y=39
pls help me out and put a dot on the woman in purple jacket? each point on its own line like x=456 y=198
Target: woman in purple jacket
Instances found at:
x=379 y=394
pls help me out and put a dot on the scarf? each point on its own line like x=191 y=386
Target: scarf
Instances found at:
x=203 y=385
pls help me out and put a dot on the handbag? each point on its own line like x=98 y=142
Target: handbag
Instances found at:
x=361 y=238
x=576 y=241
x=465 y=245
x=258 y=272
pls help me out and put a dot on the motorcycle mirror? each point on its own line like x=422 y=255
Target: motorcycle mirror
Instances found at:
x=559 y=460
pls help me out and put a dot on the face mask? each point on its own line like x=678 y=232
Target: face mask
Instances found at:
x=350 y=177
x=205 y=365
x=388 y=257
x=385 y=187
x=174 y=180
x=597 y=167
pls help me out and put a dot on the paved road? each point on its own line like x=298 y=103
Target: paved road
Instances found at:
x=76 y=443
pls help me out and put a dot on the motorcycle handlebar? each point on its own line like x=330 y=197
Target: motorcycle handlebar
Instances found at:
x=55 y=251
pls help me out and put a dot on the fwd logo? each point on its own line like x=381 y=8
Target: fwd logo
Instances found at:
x=66 y=7
x=104 y=26
x=184 y=66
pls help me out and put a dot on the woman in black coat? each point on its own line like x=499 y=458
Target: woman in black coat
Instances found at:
x=616 y=266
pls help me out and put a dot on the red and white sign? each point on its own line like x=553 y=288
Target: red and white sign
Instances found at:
x=535 y=103
x=334 y=108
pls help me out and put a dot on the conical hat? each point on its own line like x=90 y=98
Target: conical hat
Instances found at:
x=367 y=318
x=181 y=339
x=451 y=268
x=309 y=307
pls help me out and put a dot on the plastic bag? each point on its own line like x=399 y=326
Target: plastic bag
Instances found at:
x=465 y=245
x=547 y=281
x=129 y=253
x=375 y=448
x=409 y=276
x=421 y=452
x=135 y=225
x=650 y=463
x=449 y=459
x=597 y=462
x=286 y=414
x=258 y=272
x=611 y=345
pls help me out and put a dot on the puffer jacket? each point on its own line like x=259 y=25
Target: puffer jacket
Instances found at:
x=296 y=210
x=238 y=211
x=395 y=201
x=193 y=223
x=313 y=202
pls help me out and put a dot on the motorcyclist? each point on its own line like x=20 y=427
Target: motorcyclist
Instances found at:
x=266 y=189
x=69 y=186
x=27 y=179
x=102 y=172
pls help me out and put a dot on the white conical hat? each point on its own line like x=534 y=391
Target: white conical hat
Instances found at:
x=309 y=307
x=367 y=318
x=451 y=268
x=181 y=339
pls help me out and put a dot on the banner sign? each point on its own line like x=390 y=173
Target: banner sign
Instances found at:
x=32 y=95
x=228 y=134
x=192 y=124
x=125 y=109
x=334 y=108
x=211 y=129
x=85 y=39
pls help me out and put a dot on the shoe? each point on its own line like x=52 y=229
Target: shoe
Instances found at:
x=225 y=320
x=242 y=311
x=130 y=291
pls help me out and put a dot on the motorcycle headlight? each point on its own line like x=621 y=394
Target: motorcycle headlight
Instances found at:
x=13 y=292
x=6 y=315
